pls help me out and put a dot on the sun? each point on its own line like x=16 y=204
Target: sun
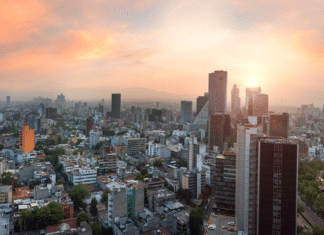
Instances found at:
x=253 y=82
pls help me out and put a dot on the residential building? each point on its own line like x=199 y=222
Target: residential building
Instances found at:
x=135 y=145
x=279 y=125
x=225 y=183
x=158 y=197
x=194 y=181
x=5 y=194
x=217 y=92
x=120 y=149
x=277 y=186
x=154 y=182
x=89 y=121
x=246 y=177
x=84 y=176
x=115 y=105
x=26 y=139
x=94 y=138
x=193 y=151
x=186 y=112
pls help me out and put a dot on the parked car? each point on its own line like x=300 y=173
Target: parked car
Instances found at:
x=212 y=227
x=231 y=229
x=213 y=214
x=225 y=227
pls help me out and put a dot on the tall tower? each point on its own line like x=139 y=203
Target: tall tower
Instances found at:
x=260 y=105
x=235 y=101
x=250 y=92
x=186 y=112
x=193 y=151
x=115 y=105
x=279 y=125
x=246 y=177
x=217 y=90
x=88 y=126
x=8 y=100
x=201 y=101
x=277 y=186
x=26 y=139
x=219 y=130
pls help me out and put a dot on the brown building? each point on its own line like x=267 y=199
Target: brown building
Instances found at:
x=26 y=139
x=153 y=182
x=120 y=149
x=88 y=126
x=218 y=130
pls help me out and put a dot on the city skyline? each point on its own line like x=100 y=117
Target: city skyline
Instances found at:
x=82 y=49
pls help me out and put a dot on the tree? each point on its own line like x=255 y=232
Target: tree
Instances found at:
x=195 y=220
x=157 y=163
x=104 y=198
x=142 y=135
x=58 y=168
x=56 y=213
x=60 y=182
x=186 y=195
x=59 y=140
x=139 y=176
x=300 y=208
x=78 y=193
x=1 y=147
x=318 y=230
x=17 y=227
x=96 y=229
x=65 y=176
x=310 y=195
x=93 y=207
x=6 y=178
x=82 y=216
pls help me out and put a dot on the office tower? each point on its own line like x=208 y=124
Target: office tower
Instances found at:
x=279 y=125
x=260 y=105
x=51 y=113
x=201 y=101
x=217 y=90
x=246 y=177
x=250 y=92
x=225 y=183
x=235 y=101
x=115 y=105
x=186 y=112
x=93 y=138
x=277 y=187
x=88 y=126
x=193 y=151
x=101 y=109
x=219 y=130
x=8 y=100
x=26 y=139
x=135 y=146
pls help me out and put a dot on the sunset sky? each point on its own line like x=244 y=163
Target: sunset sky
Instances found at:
x=88 y=49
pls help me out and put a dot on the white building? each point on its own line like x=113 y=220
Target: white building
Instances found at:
x=94 y=138
x=84 y=176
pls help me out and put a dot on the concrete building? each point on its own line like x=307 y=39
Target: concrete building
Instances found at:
x=5 y=194
x=120 y=149
x=26 y=139
x=94 y=138
x=115 y=105
x=8 y=100
x=277 y=186
x=154 y=182
x=235 y=101
x=250 y=92
x=89 y=122
x=194 y=181
x=41 y=192
x=217 y=92
x=279 y=125
x=201 y=101
x=123 y=226
x=219 y=130
x=246 y=177
x=158 y=197
x=193 y=152
x=135 y=145
x=225 y=183
x=84 y=176
x=260 y=105
x=186 y=112
x=26 y=174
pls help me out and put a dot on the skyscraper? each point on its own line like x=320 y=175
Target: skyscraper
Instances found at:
x=219 y=130
x=201 y=101
x=250 y=92
x=217 y=90
x=246 y=177
x=235 y=101
x=277 y=186
x=193 y=151
x=115 y=105
x=26 y=139
x=260 y=105
x=88 y=126
x=186 y=112
x=8 y=100
x=279 y=125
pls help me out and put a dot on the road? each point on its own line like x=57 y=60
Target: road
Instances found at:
x=310 y=215
x=302 y=221
x=209 y=209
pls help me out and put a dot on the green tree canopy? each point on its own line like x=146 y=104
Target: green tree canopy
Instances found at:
x=96 y=229
x=93 y=207
x=60 y=182
x=82 y=216
x=6 y=178
x=195 y=220
x=1 y=147
x=78 y=193
x=300 y=208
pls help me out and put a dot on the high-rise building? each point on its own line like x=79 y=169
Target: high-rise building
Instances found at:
x=186 y=112
x=8 y=100
x=250 y=92
x=225 y=183
x=93 y=138
x=88 y=126
x=26 y=139
x=195 y=182
x=101 y=110
x=260 y=105
x=193 y=151
x=135 y=145
x=246 y=177
x=219 y=130
x=201 y=101
x=115 y=105
x=235 y=101
x=217 y=91
x=279 y=125
x=277 y=186
x=51 y=113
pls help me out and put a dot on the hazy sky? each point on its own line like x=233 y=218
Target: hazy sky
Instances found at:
x=85 y=48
